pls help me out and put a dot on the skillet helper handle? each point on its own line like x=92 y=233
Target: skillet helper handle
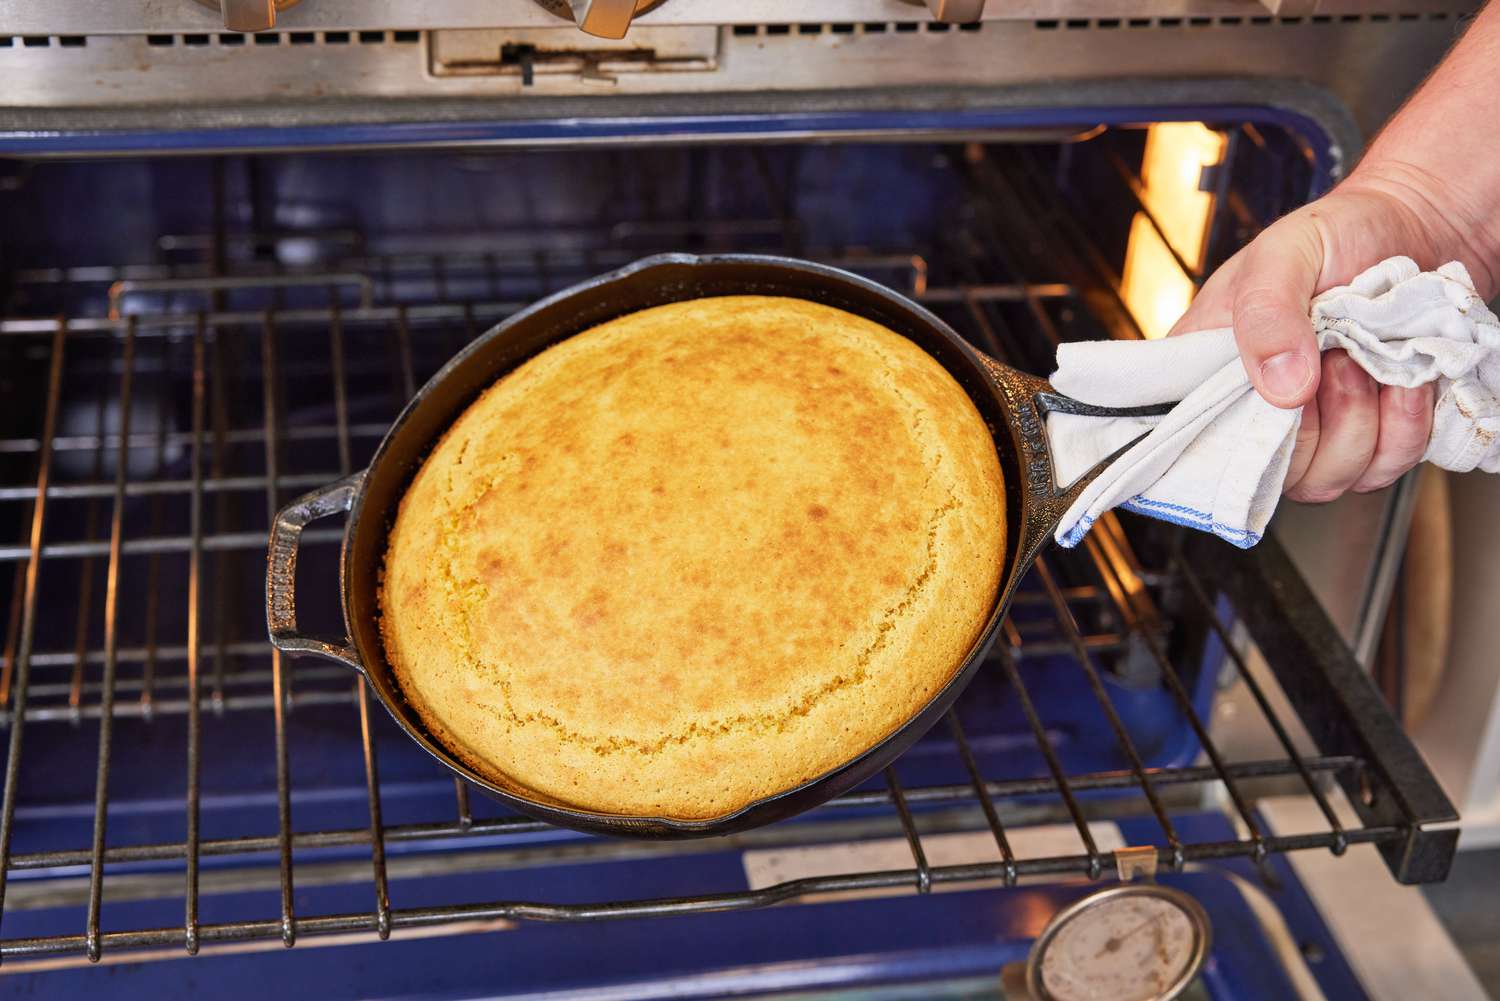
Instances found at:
x=281 y=570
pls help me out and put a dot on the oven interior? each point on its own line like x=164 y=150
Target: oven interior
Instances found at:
x=188 y=343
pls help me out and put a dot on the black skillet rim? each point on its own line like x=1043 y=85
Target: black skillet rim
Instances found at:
x=774 y=275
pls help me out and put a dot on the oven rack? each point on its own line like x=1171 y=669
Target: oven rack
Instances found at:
x=267 y=375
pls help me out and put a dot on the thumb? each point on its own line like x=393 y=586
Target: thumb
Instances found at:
x=1271 y=325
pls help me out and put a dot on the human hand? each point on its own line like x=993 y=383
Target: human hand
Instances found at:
x=1355 y=434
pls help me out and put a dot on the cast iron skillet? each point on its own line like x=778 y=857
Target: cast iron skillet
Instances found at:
x=1013 y=404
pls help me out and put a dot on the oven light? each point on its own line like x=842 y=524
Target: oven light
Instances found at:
x=1153 y=285
x=1154 y=288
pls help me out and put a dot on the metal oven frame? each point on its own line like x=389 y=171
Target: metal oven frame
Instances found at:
x=1082 y=608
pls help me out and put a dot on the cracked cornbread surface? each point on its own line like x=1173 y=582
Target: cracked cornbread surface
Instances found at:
x=694 y=557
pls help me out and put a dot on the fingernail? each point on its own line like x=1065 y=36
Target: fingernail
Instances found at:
x=1413 y=400
x=1352 y=378
x=1287 y=375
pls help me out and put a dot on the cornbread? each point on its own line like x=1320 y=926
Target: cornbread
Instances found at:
x=694 y=557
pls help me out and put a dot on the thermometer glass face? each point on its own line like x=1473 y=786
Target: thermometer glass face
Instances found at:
x=1128 y=948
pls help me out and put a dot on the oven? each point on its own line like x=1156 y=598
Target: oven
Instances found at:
x=236 y=241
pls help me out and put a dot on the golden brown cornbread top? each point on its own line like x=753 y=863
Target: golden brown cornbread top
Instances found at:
x=694 y=556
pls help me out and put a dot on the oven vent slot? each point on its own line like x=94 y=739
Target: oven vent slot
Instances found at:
x=1233 y=21
x=43 y=41
x=1076 y=24
x=231 y=40
x=853 y=28
x=769 y=30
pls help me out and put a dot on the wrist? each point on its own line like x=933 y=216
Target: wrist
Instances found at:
x=1447 y=222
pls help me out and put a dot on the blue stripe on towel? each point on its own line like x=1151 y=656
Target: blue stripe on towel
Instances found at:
x=1177 y=514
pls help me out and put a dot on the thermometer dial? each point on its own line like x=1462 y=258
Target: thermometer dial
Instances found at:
x=1128 y=943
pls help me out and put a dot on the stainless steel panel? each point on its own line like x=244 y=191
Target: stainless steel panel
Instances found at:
x=90 y=16
x=1368 y=66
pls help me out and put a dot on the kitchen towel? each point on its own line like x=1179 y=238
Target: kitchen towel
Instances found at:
x=1217 y=461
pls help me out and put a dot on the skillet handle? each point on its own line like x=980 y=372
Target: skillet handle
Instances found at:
x=281 y=570
x=1028 y=401
x=1052 y=402
x=1048 y=401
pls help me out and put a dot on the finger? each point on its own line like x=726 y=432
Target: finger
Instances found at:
x=1213 y=305
x=1271 y=327
x=1405 y=426
x=1348 y=428
x=1305 y=446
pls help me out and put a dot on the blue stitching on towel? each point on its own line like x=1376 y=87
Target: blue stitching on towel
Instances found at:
x=1179 y=514
x=1163 y=505
x=1241 y=537
x=1075 y=535
x=1163 y=511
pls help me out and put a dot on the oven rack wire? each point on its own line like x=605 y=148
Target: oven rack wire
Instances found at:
x=247 y=343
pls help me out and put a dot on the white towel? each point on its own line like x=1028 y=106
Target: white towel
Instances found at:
x=1218 y=460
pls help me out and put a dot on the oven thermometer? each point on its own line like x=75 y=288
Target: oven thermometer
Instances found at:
x=1135 y=942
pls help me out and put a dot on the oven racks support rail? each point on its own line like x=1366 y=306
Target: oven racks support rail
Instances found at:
x=1356 y=744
